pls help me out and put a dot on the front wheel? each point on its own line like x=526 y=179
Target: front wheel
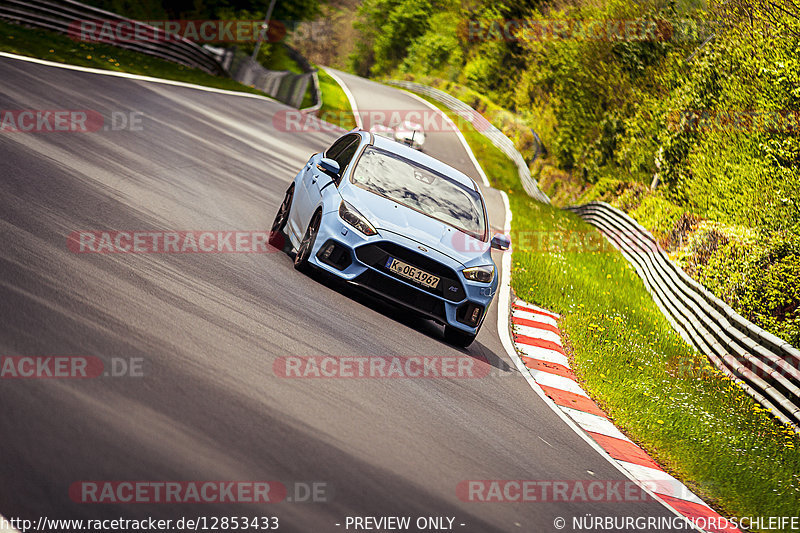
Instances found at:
x=459 y=338
x=277 y=237
x=307 y=244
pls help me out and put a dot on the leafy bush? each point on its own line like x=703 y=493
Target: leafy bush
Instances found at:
x=614 y=112
x=436 y=48
x=759 y=278
x=388 y=28
x=658 y=215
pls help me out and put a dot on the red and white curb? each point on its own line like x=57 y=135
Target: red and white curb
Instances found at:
x=538 y=343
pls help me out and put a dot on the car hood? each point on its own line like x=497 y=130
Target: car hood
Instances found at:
x=387 y=215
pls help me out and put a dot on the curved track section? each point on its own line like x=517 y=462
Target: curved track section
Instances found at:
x=209 y=329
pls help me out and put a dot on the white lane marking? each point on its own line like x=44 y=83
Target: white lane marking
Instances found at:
x=504 y=331
x=137 y=77
x=348 y=94
x=7 y=524
x=460 y=136
x=543 y=354
x=557 y=382
x=538 y=333
x=595 y=423
x=661 y=482
x=536 y=317
x=523 y=303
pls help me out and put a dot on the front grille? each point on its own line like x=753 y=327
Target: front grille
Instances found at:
x=400 y=293
x=376 y=255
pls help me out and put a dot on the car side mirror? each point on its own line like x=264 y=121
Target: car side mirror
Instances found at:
x=500 y=242
x=329 y=167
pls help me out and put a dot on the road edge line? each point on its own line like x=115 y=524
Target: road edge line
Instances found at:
x=137 y=77
x=348 y=94
x=504 y=331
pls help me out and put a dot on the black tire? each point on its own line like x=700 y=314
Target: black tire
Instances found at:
x=459 y=338
x=277 y=237
x=307 y=244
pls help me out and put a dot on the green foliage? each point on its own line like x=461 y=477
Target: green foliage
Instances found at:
x=717 y=120
x=627 y=106
x=437 y=48
x=296 y=10
x=656 y=214
x=388 y=27
x=732 y=151
x=612 y=113
x=492 y=63
x=406 y=21
x=757 y=276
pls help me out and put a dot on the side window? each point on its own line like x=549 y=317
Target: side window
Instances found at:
x=345 y=157
x=337 y=147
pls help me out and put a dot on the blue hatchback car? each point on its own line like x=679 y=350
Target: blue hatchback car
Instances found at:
x=397 y=223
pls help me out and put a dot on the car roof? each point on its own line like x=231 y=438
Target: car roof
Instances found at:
x=423 y=159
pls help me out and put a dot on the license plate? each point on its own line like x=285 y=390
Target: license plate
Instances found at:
x=413 y=273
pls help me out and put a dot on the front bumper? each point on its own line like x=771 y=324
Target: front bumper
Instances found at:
x=347 y=254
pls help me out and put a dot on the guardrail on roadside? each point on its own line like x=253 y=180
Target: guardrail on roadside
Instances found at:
x=287 y=87
x=284 y=86
x=317 y=95
x=497 y=137
x=65 y=16
x=765 y=366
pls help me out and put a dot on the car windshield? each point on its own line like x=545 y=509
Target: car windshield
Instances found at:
x=422 y=189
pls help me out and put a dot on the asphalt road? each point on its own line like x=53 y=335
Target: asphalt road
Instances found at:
x=209 y=327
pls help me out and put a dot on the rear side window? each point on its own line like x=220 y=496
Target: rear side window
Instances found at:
x=340 y=144
x=346 y=156
x=343 y=151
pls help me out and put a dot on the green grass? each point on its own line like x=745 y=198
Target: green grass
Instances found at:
x=665 y=396
x=335 y=105
x=62 y=49
x=276 y=57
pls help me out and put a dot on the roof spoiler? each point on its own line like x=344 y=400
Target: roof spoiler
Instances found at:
x=359 y=130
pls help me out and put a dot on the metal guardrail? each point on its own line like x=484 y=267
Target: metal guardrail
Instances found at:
x=306 y=66
x=497 y=137
x=317 y=95
x=65 y=16
x=86 y=23
x=284 y=86
x=765 y=366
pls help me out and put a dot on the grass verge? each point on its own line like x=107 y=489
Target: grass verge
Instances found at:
x=59 y=48
x=664 y=395
x=335 y=105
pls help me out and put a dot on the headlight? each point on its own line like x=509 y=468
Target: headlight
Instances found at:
x=482 y=274
x=349 y=214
